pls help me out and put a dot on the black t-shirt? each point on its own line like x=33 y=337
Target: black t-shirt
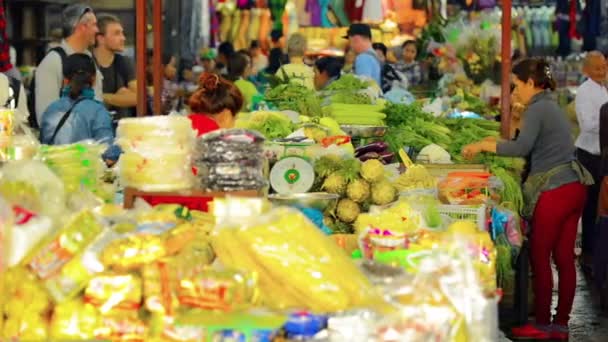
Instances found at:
x=116 y=76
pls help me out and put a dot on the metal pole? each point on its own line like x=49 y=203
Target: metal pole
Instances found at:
x=505 y=99
x=157 y=29
x=140 y=32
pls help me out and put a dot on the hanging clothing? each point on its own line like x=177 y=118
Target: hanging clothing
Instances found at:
x=205 y=24
x=324 y=6
x=5 y=58
x=303 y=15
x=277 y=8
x=337 y=6
x=372 y=11
x=590 y=23
x=354 y=9
x=312 y=7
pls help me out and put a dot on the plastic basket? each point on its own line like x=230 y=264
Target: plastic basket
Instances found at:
x=475 y=213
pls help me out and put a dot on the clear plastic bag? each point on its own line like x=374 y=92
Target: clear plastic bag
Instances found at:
x=157 y=153
x=443 y=301
x=296 y=262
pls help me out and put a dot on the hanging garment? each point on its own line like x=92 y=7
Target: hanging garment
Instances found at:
x=303 y=15
x=277 y=7
x=574 y=15
x=324 y=9
x=215 y=24
x=265 y=28
x=590 y=21
x=563 y=26
x=312 y=7
x=291 y=18
x=337 y=6
x=205 y=25
x=242 y=38
x=254 y=28
x=236 y=24
x=372 y=11
x=244 y=4
x=354 y=9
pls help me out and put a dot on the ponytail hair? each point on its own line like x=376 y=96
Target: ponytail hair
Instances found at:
x=79 y=69
x=214 y=95
x=536 y=69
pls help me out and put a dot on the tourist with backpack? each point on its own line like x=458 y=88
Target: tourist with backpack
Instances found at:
x=367 y=62
x=119 y=81
x=77 y=116
x=80 y=24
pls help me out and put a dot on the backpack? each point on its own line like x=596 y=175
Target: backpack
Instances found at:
x=31 y=99
x=389 y=76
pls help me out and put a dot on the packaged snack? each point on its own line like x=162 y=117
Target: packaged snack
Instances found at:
x=53 y=253
x=114 y=293
x=79 y=165
x=159 y=285
x=26 y=232
x=295 y=262
x=133 y=251
x=224 y=290
x=74 y=320
x=6 y=132
x=121 y=328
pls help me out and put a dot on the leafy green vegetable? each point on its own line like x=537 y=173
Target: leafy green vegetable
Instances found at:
x=511 y=195
x=295 y=97
x=272 y=125
x=348 y=97
x=348 y=82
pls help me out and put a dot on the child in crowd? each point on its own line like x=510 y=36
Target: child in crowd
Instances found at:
x=409 y=66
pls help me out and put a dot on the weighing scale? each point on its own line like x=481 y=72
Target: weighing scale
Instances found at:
x=292 y=175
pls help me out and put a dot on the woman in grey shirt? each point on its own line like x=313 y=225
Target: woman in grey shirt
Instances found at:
x=554 y=193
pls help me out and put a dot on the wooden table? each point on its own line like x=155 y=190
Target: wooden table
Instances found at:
x=197 y=199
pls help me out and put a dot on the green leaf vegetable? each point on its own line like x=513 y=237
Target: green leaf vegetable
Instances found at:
x=295 y=97
x=272 y=125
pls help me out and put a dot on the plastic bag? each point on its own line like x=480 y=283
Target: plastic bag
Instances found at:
x=53 y=253
x=78 y=165
x=443 y=301
x=468 y=188
x=157 y=153
x=33 y=186
x=26 y=232
x=295 y=261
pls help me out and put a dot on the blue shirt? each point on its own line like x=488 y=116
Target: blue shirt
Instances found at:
x=89 y=120
x=367 y=64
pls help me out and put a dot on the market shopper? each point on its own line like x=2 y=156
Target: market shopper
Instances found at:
x=590 y=97
x=239 y=69
x=80 y=24
x=119 y=82
x=258 y=58
x=77 y=116
x=327 y=70
x=367 y=62
x=224 y=52
x=554 y=191
x=408 y=65
x=215 y=104
x=296 y=70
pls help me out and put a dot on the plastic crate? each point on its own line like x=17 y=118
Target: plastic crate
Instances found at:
x=475 y=213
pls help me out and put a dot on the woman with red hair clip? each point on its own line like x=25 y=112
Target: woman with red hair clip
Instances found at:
x=214 y=104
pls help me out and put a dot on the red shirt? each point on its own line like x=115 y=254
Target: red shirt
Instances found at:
x=203 y=123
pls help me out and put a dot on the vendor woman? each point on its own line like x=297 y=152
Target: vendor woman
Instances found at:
x=554 y=192
x=215 y=104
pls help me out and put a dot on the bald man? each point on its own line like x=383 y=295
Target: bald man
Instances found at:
x=590 y=97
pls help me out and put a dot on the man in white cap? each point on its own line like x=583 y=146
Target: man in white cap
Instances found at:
x=80 y=26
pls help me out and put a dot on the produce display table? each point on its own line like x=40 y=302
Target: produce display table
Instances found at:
x=192 y=199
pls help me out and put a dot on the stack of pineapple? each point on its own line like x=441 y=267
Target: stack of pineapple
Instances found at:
x=359 y=185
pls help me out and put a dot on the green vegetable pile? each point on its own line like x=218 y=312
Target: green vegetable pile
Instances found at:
x=272 y=125
x=410 y=126
x=346 y=90
x=295 y=97
x=348 y=82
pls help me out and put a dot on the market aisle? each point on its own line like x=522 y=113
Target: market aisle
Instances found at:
x=586 y=323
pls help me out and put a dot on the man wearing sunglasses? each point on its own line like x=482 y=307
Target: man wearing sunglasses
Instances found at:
x=80 y=28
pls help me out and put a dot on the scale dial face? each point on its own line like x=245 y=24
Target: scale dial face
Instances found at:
x=292 y=175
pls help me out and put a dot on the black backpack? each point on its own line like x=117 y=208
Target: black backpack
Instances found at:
x=31 y=99
x=388 y=74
